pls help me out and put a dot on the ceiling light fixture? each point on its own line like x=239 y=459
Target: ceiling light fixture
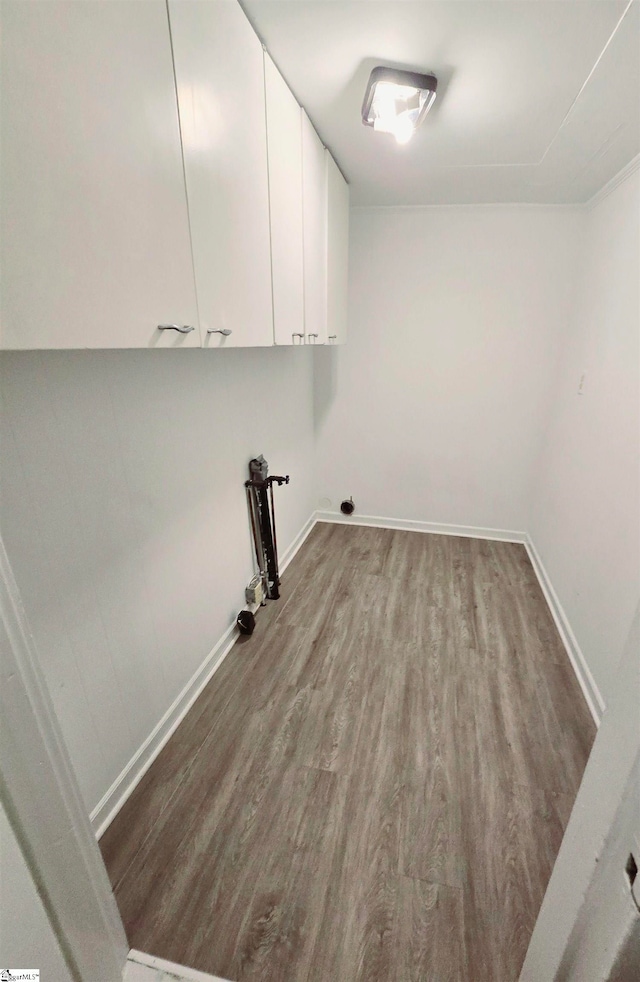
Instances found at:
x=396 y=101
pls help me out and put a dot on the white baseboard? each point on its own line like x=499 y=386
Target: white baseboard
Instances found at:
x=113 y=800
x=434 y=528
x=289 y=553
x=124 y=785
x=590 y=690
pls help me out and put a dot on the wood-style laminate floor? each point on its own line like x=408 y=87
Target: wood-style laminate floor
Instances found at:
x=374 y=786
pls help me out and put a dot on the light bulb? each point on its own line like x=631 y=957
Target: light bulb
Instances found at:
x=403 y=129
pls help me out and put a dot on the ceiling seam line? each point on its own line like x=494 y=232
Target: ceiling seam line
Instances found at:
x=586 y=81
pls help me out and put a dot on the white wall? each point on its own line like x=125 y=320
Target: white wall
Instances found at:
x=122 y=504
x=26 y=936
x=123 y=513
x=433 y=410
x=585 y=515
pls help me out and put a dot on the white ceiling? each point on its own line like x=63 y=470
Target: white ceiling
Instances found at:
x=538 y=100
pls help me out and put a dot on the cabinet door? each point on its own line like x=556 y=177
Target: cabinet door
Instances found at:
x=220 y=82
x=314 y=215
x=284 y=142
x=337 y=252
x=95 y=231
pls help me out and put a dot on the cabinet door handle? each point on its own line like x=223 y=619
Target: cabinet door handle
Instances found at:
x=312 y=335
x=219 y=330
x=333 y=337
x=297 y=335
x=183 y=329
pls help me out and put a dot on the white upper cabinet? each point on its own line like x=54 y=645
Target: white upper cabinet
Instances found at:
x=134 y=219
x=314 y=216
x=95 y=232
x=284 y=142
x=220 y=83
x=337 y=252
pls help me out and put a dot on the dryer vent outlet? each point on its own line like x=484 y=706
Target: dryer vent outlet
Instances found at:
x=347 y=507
